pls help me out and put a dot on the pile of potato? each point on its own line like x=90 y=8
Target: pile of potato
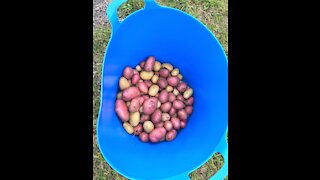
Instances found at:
x=153 y=102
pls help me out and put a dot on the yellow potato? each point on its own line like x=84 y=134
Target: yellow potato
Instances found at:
x=167 y=66
x=128 y=128
x=180 y=76
x=188 y=93
x=148 y=126
x=138 y=68
x=169 y=88
x=157 y=66
x=128 y=103
x=134 y=118
x=175 y=72
x=119 y=95
x=153 y=90
x=175 y=92
x=154 y=79
x=146 y=75
x=158 y=104
x=123 y=83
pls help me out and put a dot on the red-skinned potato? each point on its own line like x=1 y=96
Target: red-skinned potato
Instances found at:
x=180 y=97
x=189 y=101
x=183 y=124
x=177 y=104
x=138 y=129
x=143 y=87
x=122 y=110
x=165 y=117
x=173 y=81
x=144 y=118
x=150 y=105
x=166 y=107
x=141 y=100
x=182 y=114
x=182 y=87
x=189 y=110
x=160 y=124
x=130 y=93
x=172 y=111
x=142 y=63
x=164 y=73
x=144 y=137
x=171 y=97
x=171 y=135
x=157 y=134
x=156 y=116
x=162 y=83
x=168 y=125
x=163 y=96
x=135 y=78
x=148 y=66
x=134 y=105
x=128 y=72
x=148 y=83
x=175 y=123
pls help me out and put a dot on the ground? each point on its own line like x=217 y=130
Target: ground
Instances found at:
x=212 y=13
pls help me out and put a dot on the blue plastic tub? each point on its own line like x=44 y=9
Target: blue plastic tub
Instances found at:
x=178 y=38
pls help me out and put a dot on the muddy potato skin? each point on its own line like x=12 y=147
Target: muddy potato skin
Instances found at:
x=128 y=72
x=166 y=107
x=163 y=96
x=130 y=93
x=122 y=110
x=144 y=137
x=171 y=135
x=149 y=65
x=150 y=105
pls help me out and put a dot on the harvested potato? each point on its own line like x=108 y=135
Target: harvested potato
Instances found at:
x=180 y=97
x=168 y=125
x=177 y=104
x=130 y=93
x=169 y=88
x=173 y=81
x=188 y=93
x=180 y=76
x=128 y=127
x=158 y=104
x=122 y=110
x=162 y=83
x=137 y=130
x=189 y=101
x=171 y=97
x=172 y=111
x=150 y=105
x=138 y=68
x=167 y=66
x=182 y=87
x=123 y=83
x=157 y=66
x=128 y=103
x=166 y=107
x=153 y=90
x=135 y=78
x=163 y=96
x=156 y=116
x=175 y=123
x=128 y=72
x=144 y=118
x=175 y=72
x=165 y=117
x=119 y=95
x=146 y=75
x=144 y=137
x=189 y=110
x=171 y=135
x=159 y=124
x=164 y=73
x=155 y=79
x=143 y=87
x=182 y=114
x=157 y=134
x=175 y=92
x=148 y=66
x=134 y=118
x=183 y=124
x=148 y=126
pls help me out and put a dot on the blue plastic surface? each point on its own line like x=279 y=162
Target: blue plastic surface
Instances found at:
x=175 y=37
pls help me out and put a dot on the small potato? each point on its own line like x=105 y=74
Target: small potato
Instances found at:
x=144 y=137
x=148 y=126
x=150 y=105
x=141 y=100
x=157 y=134
x=172 y=111
x=159 y=124
x=137 y=130
x=123 y=83
x=145 y=97
x=128 y=104
x=158 y=104
x=168 y=125
x=164 y=73
x=119 y=95
x=130 y=93
x=177 y=104
x=127 y=72
x=144 y=118
x=175 y=72
x=189 y=101
x=166 y=107
x=163 y=96
x=162 y=83
x=156 y=116
x=169 y=88
x=180 y=97
x=171 y=135
x=175 y=92
x=146 y=75
x=171 y=97
x=157 y=66
x=128 y=127
x=134 y=118
x=182 y=87
x=153 y=90
x=189 y=110
x=149 y=65
x=143 y=87
x=183 y=124
x=165 y=117
x=122 y=110
x=134 y=105
x=188 y=93
x=167 y=66
x=173 y=81
x=148 y=83
x=135 y=72
x=180 y=76
x=182 y=114
x=140 y=80
x=155 y=79
x=142 y=63
x=138 y=68
x=175 y=123
x=135 y=78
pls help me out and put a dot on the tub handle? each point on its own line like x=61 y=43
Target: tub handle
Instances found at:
x=223 y=149
x=113 y=7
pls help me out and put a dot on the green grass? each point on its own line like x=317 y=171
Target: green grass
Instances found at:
x=212 y=13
